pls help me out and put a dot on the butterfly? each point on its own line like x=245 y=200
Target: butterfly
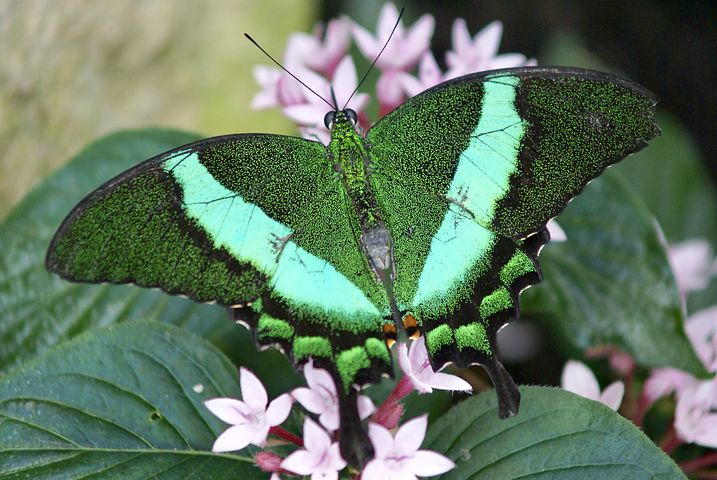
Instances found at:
x=431 y=223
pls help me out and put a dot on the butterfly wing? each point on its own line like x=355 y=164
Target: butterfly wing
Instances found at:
x=254 y=222
x=469 y=172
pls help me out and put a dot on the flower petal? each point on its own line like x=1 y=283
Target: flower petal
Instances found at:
x=487 y=40
x=445 y=381
x=579 y=379
x=229 y=410
x=305 y=114
x=278 y=410
x=334 y=460
x=462 y=41
x=365 y=41
x=410 y=436
x=319 y=380
x=386 y=20
x=252 y=390
x=418 y=355
x=301 y=462
x=330 y=419
x=365 y=407
x=381 y=439
x=315 y=438
x=557 y=234
x=426 y=463
x=234 y=438
x=612 y=395
x=403 y=359
x=308 y=399
x=376 y=470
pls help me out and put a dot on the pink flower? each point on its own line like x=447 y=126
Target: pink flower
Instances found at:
x=311 y=113
x=278 y=89
x=692 y=264
x=321 y=398
x=320 y=55
x=701 y=329
x=429 y=74
x=664 y=381
x=579 y=379
x=480 y=52
x=399 y=458
x=401 y=54
x=694 y=420
x=557 y=234
x=415 y=364
x=320 y=458
x=250 y=418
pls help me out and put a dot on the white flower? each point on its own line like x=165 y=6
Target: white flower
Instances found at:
x=557 y=234
x=399 y=458
x=251 y=419
x=320 y=458
x=579 y=379
x=321 y=397
x=416 y=365
x=701 y=329
x=692 y=264
x=694 y=420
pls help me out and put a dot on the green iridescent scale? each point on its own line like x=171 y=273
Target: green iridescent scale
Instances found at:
x=439 y=212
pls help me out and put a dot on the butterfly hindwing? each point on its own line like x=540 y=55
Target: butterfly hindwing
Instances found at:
x=254 y=222
x=470 y=171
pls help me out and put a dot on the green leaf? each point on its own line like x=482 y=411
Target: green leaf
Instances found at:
x=610 y=283
x=122 y=402
x=556 y=435
x=40 y=309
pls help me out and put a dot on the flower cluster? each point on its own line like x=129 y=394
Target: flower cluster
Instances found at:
x=695 y=419
x=321 y=61
x=254 y=418
x=695 y=422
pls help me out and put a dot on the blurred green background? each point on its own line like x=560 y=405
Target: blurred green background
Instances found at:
x=74 y=70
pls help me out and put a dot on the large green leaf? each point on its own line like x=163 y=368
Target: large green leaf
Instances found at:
x=610 y=283
x=556 y=435
x=123 y=402
x=38 y=309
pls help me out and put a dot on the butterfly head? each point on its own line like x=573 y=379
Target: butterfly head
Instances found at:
x=340 y=119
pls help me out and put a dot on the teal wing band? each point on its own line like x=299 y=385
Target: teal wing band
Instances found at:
x=513 y=146
x=237 y=220
x=469 y=172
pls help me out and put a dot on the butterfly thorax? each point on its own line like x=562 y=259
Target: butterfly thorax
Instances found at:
x=352 y=163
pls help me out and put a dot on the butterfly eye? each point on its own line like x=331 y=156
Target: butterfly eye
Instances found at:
x=329 y=119
x=351 y=116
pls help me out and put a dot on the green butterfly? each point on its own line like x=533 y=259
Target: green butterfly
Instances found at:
x=432 y=222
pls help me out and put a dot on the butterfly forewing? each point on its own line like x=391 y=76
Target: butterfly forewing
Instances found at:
x=242 y=219
x=469 y=172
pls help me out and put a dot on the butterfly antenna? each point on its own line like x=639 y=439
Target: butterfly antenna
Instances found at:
x=287 y=71
x=333 y=97
x=398 y=20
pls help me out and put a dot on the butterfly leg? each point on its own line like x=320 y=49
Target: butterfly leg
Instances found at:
x=354 y=444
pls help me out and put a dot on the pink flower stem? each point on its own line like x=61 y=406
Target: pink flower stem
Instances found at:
x=390 y=411
x=280 y=432
x=670 y=441
x=643 y=405
x=402 y=388
x=701 y=462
